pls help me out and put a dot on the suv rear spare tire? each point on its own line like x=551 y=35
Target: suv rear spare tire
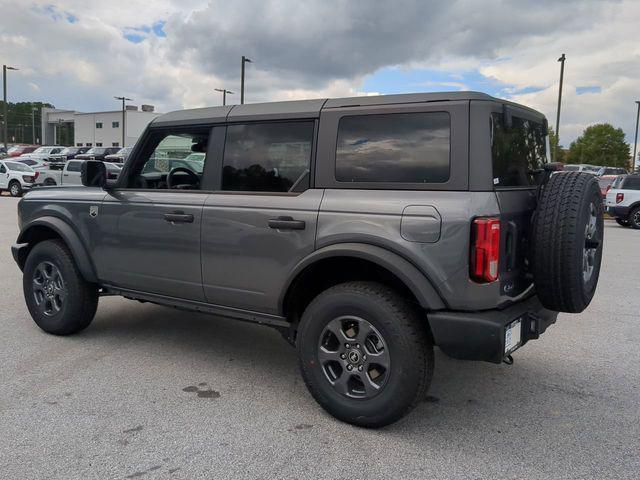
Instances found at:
x=567 y=241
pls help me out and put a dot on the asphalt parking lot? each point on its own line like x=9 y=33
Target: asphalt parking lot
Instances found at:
x=150 y=392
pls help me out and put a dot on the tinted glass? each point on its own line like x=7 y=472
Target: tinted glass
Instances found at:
x=3 y=169
x=18 y=167
x=402 y=148
x=268 y=157
x=631 y=183
x=74 y=166
x=518 y=151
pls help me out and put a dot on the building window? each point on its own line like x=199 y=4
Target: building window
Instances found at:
x=115 y=124
x=98 y=144
x=78 y=144
x=115 y=144
x=98 y=124
x=88 y=144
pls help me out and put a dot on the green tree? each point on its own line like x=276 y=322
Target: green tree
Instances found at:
x=600 y=144
x=558 y=153
x=21 y=117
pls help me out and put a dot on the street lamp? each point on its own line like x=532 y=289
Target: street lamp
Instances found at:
x=635 y=142
x=244 y=60
x=224 y=94
x=123 y=115
x=561 y=60
x=4 y=91
x=33 y=126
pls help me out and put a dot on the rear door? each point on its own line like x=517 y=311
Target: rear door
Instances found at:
x=4 y=176
x=71 y=173
x=262 y=220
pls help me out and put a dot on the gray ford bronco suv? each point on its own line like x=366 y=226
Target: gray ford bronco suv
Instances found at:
x=367 y=230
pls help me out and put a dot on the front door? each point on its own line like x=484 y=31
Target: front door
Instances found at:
x=262 y=221
x=151 y=240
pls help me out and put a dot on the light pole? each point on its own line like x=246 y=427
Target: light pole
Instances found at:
x=224 y=94
x=244 y=60
x=4 y=91
x=635 y=142
x=33 y=126
x=561 y=60
x=123 y=115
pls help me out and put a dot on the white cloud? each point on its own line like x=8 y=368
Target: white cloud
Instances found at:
x=75 y=50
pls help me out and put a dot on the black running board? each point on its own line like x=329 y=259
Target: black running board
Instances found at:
x=202 y=307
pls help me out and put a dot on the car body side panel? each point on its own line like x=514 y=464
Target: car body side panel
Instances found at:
x=375 y=216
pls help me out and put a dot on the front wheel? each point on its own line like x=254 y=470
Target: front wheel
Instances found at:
x=634 y=218
x=58 y=298
x=364 y=353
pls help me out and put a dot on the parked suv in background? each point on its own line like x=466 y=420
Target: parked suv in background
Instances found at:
x=120 y=156
x=68 y=153
x=593 y=169
x=18 y=150
x=97 y=153
x=367 y=230
x=16 y=177
x=623 y=200
x=611 y=171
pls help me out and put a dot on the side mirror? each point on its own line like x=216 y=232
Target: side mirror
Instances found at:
x=94 y=174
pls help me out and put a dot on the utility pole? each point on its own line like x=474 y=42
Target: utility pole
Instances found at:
x=123 y=117
x=224 y=94
x=561 y=60
x=244 y=60
x=635 y=142
x=4 y=108
x=33 y=126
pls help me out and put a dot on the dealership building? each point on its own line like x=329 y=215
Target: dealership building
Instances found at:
x=97 y=129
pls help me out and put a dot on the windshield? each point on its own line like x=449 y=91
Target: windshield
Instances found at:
x=18 y=167
x=518 y=151
x=42 y=150
x=68 y=151
x=96 y=151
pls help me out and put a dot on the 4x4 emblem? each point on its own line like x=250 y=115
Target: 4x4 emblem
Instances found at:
x=93 y=211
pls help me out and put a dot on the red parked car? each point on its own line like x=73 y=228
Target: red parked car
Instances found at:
x=18 y=150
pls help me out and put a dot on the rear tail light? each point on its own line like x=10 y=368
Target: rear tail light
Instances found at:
x=37 y=174
x=619 y=197
x=485 y=249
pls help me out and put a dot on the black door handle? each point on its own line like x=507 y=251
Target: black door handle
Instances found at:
x=178 y=217
x=286 y=223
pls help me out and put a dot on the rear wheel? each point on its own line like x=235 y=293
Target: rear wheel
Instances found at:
x=623 y=222
x=567 y=242
x=15 y=189
x=634 y=218
x=364 y=353
x=50 y=182
x=58 y=298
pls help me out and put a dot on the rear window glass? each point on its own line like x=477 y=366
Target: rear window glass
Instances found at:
x=631 y=183
x=400 y=148
x=518 y=151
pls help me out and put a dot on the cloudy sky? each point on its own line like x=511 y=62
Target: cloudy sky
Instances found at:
x=78 y=54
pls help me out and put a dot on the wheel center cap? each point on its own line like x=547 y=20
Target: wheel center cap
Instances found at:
x=48 y=288
x=354 y=356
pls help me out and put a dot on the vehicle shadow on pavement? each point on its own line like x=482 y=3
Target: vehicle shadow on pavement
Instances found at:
x=466 y=396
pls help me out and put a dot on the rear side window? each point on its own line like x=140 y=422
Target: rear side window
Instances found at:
x=268 y=157
x=74 y=166
x=399 y=148
x=631 y=183
x=517 y=151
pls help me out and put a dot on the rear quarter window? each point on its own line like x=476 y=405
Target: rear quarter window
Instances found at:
x=517 y=151
x=631 y=183
x=398 y=147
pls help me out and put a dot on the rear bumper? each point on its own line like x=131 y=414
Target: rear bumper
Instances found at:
x=618 y=212
x=481 y=335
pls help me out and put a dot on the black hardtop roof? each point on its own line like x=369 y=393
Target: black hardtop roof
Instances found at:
x=306 y=108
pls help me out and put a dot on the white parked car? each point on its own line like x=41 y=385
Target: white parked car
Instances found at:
x=623 y=200
x=16 y=177
x=43 y=153
x=582 y=167
x=37 y=165
x=70 y=175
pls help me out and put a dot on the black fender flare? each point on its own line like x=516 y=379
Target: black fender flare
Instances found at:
x=69 y=236
x=414 y=279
